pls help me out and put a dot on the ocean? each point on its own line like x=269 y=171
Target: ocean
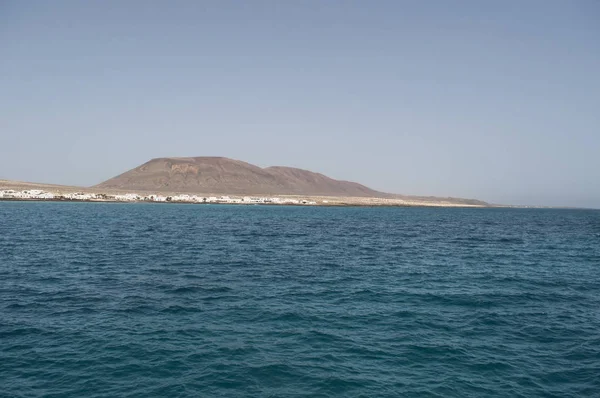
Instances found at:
x=173 y=300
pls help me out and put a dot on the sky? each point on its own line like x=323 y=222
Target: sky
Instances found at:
x=498 y=101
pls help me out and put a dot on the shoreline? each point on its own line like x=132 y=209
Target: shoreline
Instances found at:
x=22 y=190
x=14 y=190
x=36 y=192
x=340 y=204
x=344 y=204
x=335 y=204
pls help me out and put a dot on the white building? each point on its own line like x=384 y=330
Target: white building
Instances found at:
x=128 y=197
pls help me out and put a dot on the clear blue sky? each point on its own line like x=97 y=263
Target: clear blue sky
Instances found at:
x=493 y=100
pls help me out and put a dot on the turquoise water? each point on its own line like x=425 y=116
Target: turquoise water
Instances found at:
x=104 y=300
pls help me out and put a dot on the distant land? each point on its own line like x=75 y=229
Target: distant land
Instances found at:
x=220 y=179
x=221 y=175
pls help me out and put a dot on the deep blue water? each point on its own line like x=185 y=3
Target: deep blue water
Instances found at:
x=106 y=300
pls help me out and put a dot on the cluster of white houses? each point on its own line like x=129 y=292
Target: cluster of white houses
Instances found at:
x=36 y=194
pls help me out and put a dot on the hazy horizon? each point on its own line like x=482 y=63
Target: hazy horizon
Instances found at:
x=493 y=101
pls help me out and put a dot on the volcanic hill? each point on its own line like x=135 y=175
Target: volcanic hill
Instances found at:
x=228 y=176
x=220 y=175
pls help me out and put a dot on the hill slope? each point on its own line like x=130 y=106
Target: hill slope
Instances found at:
x=219 y=175
x=228 y=176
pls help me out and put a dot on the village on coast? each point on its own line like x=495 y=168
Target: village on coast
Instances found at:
x=37 y=194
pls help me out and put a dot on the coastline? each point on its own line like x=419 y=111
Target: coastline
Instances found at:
x=347 y=203
x=51 y=192
x=32 y=191
x=17 y=190
x=64 y=193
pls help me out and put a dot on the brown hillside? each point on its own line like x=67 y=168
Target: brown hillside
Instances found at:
x=228 y=176
x=300 y=181
x=219 y=175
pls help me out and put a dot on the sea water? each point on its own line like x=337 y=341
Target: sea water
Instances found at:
x=106 y=300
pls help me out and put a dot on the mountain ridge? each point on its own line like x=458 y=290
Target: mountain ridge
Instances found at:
x=222 y=175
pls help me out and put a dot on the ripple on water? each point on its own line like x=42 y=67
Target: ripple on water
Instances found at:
x=141 y=300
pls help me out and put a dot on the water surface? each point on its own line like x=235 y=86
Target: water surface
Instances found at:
x=140 y=300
